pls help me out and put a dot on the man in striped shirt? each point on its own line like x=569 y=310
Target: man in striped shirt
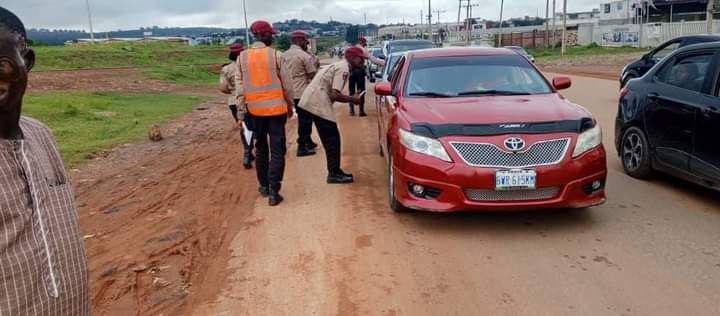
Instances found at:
x=43 y=267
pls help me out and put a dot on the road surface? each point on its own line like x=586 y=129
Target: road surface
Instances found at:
x=653 y=249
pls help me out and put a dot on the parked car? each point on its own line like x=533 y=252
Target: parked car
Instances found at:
x=482 y=129
x=400 y=46
x=372 y=68
x=669 y=120
x=522 y=52
x=639 y=67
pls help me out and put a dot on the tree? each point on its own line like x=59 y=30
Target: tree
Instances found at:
x=283 y=42
x=351 y=35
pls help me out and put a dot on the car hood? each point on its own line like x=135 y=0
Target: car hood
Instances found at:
x=492 y=109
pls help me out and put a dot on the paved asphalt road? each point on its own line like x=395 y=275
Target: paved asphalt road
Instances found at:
x=653 y=249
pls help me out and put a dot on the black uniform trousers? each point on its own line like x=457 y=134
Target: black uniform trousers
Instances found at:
x=330 y=137
x=357 y=85
x=305 y=122
x=270 y=149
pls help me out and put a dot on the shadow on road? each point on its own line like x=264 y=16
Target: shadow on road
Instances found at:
x=502 y=222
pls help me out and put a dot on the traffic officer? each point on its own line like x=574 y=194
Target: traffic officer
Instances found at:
x=300 y=68
x=359 y=74
x=268 y=102
x=325 y=89
x=228 y=85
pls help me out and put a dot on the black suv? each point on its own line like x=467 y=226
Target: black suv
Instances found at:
x=639 y=67
x=669 y=120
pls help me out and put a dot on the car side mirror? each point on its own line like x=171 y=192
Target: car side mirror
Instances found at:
x=383 y=89
x=561 y=83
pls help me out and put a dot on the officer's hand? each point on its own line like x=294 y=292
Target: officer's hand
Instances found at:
x=356 y=99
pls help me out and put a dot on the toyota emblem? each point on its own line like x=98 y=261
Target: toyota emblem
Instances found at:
x=515 y=144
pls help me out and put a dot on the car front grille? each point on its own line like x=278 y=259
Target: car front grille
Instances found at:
x=542 y=153
x=479 y=195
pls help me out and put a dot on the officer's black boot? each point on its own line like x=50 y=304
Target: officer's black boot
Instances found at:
x=264 y=191
x=362 y=110
x=352 y=110
x=274 y=198
x=248 y=155
x=305 y=150
x=339 y=177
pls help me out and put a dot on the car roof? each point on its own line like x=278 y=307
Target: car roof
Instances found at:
x=411 y=41
x=697 y=46
x=460 y=51
x=703 y=36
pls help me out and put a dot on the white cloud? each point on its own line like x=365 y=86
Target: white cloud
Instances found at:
x=111 y=15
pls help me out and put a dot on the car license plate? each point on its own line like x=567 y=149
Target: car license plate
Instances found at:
x=515 y=180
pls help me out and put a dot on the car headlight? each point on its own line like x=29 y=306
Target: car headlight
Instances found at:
x=588 y=140
x=424 y=145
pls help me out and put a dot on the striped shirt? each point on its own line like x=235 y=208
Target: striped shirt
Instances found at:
x=43 y=267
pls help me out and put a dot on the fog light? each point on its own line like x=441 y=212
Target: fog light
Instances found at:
x=418 y=190
x=594 y=187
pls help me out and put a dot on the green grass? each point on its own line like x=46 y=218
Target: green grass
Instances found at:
x=583 y=51
x=88 y=122
x=172 y=62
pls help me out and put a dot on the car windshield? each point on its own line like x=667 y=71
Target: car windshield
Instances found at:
x=377 y=52
x=404 y=47
x=474 y=76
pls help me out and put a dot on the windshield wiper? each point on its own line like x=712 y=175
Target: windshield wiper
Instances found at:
x=492 y=92
x=430 y=94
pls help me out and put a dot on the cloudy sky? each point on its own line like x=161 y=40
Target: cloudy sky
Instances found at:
x=109 y=15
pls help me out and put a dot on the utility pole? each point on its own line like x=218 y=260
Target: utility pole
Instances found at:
x=438 y=14
x=92 y=33
x=547 y=24
x=459 y=9
x=554 y=27
x=502 y=4
x=709 y=16
x=422 y=25
x=247 y=29
x=430 y=31
x=564 y=32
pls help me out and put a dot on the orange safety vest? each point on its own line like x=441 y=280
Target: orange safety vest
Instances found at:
x=264 y=93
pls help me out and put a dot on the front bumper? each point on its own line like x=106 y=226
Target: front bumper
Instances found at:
x=570 y=177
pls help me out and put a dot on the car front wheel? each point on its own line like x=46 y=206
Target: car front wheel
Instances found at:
x=394 y=203
x=635 y=153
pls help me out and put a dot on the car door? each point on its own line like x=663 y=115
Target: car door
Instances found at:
x=391 y=101
x=676 y=96
x=705 y=162
x=386 y=106
x=658 y=54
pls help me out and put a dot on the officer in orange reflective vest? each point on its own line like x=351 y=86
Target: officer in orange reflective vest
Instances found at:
x=269 y=105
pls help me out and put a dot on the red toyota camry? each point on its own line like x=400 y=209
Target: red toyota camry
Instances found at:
x=482 y=129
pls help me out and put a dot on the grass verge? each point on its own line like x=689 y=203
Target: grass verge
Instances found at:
x=88 y=122
x=583 y=51
x=172 y=62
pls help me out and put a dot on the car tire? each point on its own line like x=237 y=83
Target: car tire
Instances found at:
x=394 y=203
x=635 y=154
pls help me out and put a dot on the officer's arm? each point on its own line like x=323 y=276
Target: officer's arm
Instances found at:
x=337 y=96
x=224 y=83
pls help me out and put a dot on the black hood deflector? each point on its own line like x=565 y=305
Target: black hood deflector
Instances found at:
x=442 y=130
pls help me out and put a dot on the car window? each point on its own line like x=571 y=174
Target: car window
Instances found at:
x=686 y=72
x=399 y=48
x=394 y=79
x=662 y=53
x=474 y=75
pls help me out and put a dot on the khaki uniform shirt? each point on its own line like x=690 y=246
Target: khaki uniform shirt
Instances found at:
x=283 y=79
x=298 y=66
x=316 y=98
x=229 y=76
x=43 y=266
